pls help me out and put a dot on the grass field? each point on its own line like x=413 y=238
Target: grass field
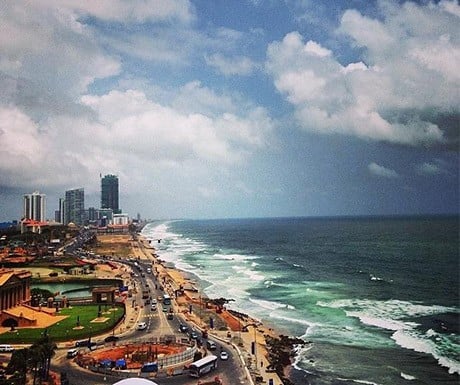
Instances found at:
x=113 y=244
x=66 y=329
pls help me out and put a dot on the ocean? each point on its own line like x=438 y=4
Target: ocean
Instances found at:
x=376 y=298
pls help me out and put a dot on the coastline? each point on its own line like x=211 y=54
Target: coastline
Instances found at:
x=245 y=333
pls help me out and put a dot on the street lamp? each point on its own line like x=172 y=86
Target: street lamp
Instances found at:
x=255 y=345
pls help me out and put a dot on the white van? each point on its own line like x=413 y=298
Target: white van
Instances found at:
x=71 y=353
x=6 y=348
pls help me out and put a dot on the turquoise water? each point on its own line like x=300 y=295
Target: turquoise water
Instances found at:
x=376 y=297
x=77 y=290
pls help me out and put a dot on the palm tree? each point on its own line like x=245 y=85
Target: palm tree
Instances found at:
x=44 y=350
x=35 y=361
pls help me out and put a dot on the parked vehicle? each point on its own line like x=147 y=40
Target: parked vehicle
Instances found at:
x=223 y=355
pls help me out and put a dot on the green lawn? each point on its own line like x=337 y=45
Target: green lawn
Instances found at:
x=64 y=330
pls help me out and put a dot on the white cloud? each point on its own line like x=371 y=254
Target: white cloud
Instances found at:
x=33 y=154
x=409 y=81
x=435 y=167
x=59 y=130
x=127 y=11
x=135 y=122
x=194 y=97
x=316 y=49
x=21 y=145
x=125 y=132
x=381 y=171
x=429 y=169
x=49 y=54
x=239 y=65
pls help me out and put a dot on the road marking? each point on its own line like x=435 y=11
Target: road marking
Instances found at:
x=150 y=316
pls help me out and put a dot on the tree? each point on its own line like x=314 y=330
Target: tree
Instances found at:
x=43 y=350
x=35 y=361
x=18 y=365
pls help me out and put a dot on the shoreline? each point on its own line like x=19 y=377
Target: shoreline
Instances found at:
x=231 y=327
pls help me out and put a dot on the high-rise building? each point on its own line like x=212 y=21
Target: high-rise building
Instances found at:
x=61 y=211
x=74 y=207
x=35 y=206
x=109 y=193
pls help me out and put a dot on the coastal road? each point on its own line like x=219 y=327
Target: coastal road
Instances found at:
x=231 y=370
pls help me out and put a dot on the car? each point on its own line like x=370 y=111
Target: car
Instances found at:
x=165 y=309
x=85 y=343
x=193 y=335
x=141 y=326
x=183 y=328
x=111 y=338
x=153 y=307
x=223 y=355
x=147 y=302
x=170 y=316
x=211 y=345
x=154 y=301
x=71 y=353
x=5 y=348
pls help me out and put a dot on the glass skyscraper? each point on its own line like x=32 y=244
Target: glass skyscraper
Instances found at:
x=109 y=193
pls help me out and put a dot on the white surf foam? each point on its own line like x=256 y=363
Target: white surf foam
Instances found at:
x=359 y=381
x=235 y=257
x=391 y=315
x=408 y=377
x=413 y=340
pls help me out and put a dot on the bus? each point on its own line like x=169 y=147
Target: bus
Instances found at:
x=166 y=299
x=203 y=366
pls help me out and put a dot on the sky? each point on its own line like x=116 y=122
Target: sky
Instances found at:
x=242 y=108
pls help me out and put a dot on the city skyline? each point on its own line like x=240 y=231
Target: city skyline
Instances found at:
x=72 y=207
x=251 y=108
